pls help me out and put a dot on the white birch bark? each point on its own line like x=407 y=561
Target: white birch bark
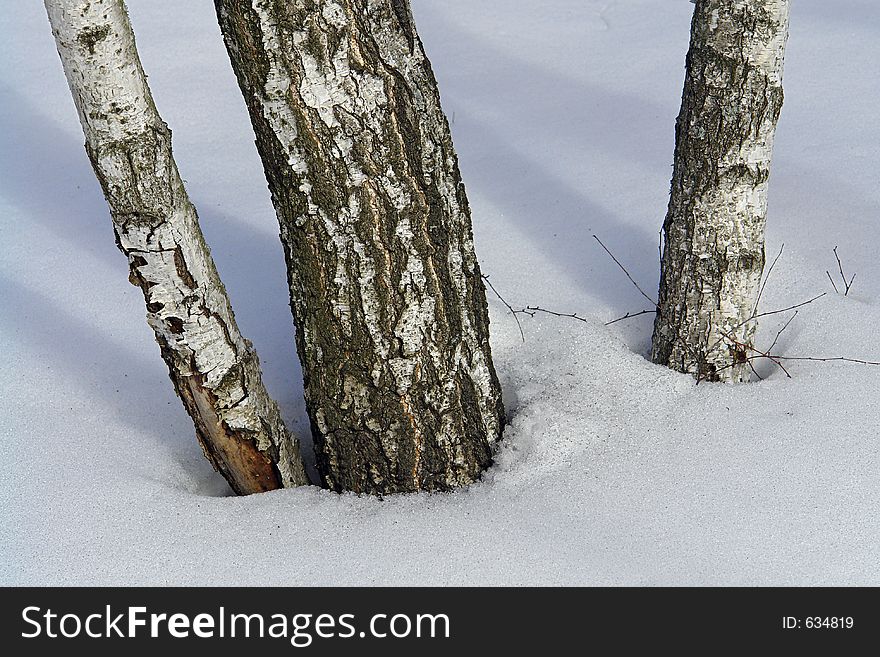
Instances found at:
x=713 y=254
x=214 y=369
x=392 y=326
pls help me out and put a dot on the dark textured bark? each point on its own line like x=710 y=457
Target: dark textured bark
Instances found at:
x=392 y=325
x=713 y=252
x=214 y=369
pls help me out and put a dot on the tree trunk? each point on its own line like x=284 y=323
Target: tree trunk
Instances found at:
x=214 y=369
x=385 y=289
x=713 y=254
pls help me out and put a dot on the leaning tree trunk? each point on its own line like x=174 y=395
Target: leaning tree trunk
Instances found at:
x=214 y=369
x=385 y=288
x=713 y=253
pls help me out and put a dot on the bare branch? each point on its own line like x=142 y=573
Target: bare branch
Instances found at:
x=839 y=265
x=777 y=359
x=833 y=284
x=745 y=348
x=766 y=314
x=846 y=284
x=784 y=310
x=531 y=310
x=630 y=316
x=767 y=278
x=509 y=307
x=840 y=359
x=754 y=371
x=631 y=279
x=781 y=331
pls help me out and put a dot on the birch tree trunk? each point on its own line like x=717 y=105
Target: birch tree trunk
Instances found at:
x=385 y=289
x=214 y=369
x=713 y=254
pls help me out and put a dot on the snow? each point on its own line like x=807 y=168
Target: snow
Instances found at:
x=613 y=470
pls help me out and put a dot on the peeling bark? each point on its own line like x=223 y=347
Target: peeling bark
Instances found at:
x=713 y=254
x=214 y=369
x=392 y=324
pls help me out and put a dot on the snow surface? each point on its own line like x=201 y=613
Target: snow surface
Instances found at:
x=613 y=470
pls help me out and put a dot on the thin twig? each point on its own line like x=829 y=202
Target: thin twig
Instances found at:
x=631 y=279
x=712 y=346
x=777 y=357
x=748 y=359
x=531 y=310
x=754 y=371
x=776 y=360
x=784 y=310
x=780 y=332
x=840 y=268
x=746 y=348
x=846 y=285
x=833 y=284
x=630 y=316
x=767 y=278
x=841 y=359
x=509 y=307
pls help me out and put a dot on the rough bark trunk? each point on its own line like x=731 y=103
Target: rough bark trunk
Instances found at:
x=384 y=284
x=214 y=369
x=713 y=254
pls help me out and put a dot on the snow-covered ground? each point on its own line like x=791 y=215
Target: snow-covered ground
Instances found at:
x=613 y=470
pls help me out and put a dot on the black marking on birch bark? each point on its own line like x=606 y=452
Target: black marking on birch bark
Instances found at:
x=182 y=271
x=386 y=293
x=215 y=370
x=89 y=37
x=713 y=252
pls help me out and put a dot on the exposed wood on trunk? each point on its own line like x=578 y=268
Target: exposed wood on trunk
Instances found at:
x=214 y=369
